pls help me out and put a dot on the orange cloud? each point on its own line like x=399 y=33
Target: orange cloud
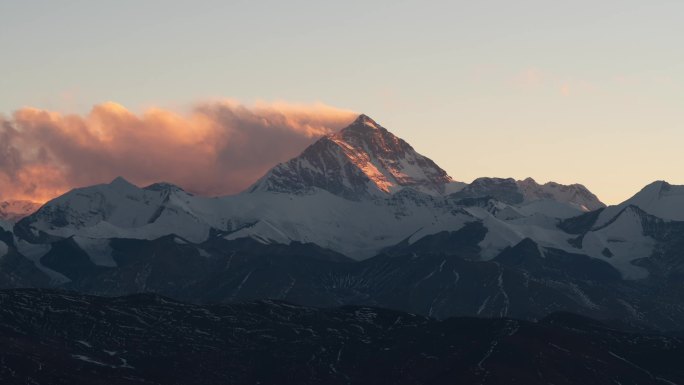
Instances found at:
x=217 y=148
x=565 y=89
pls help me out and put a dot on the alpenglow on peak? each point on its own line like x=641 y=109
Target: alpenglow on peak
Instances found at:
x=362 y=159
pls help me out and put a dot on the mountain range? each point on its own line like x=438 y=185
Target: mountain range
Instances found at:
x=361 y=218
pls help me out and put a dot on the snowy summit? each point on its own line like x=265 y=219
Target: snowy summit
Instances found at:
x=363 y=159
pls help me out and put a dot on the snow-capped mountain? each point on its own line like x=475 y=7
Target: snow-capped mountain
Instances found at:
x=502 y=189
x=12 y=211
x=326 y=197
x=524 y=191
x=122 y=210
x=363 y=194
x=660 y=199
x=363 y=159
x=575 y=194
x=424 y=254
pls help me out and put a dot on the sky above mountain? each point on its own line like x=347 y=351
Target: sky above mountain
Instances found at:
x=582 y=91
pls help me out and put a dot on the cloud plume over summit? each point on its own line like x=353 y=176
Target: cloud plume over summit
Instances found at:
x=216 y=148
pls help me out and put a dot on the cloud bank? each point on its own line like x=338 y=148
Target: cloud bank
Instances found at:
x=217 y=148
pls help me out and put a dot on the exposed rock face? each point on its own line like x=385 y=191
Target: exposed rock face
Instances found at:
x=510 y=191
x=504 y=190
x=363 y=159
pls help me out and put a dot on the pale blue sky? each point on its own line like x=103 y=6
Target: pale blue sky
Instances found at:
x=582 y=91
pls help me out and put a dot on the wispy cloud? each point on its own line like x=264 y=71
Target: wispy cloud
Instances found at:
x=573 y=87
x=530 y=78
x=217 y=148
x=536 y=79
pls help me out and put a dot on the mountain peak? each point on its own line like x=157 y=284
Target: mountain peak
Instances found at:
x=364 y=120
x=658 y=185
x=510 y=191
x=659 y=198
x=502 y=189
x=362 y=159
x=363 y=126
x=658 y=191
x=121 y=182
x=574 y=194
x=164 y=187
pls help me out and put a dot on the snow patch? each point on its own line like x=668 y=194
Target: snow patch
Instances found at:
x=4 y=249
x=35 y=252
x=621 y=243
x=99 y=250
